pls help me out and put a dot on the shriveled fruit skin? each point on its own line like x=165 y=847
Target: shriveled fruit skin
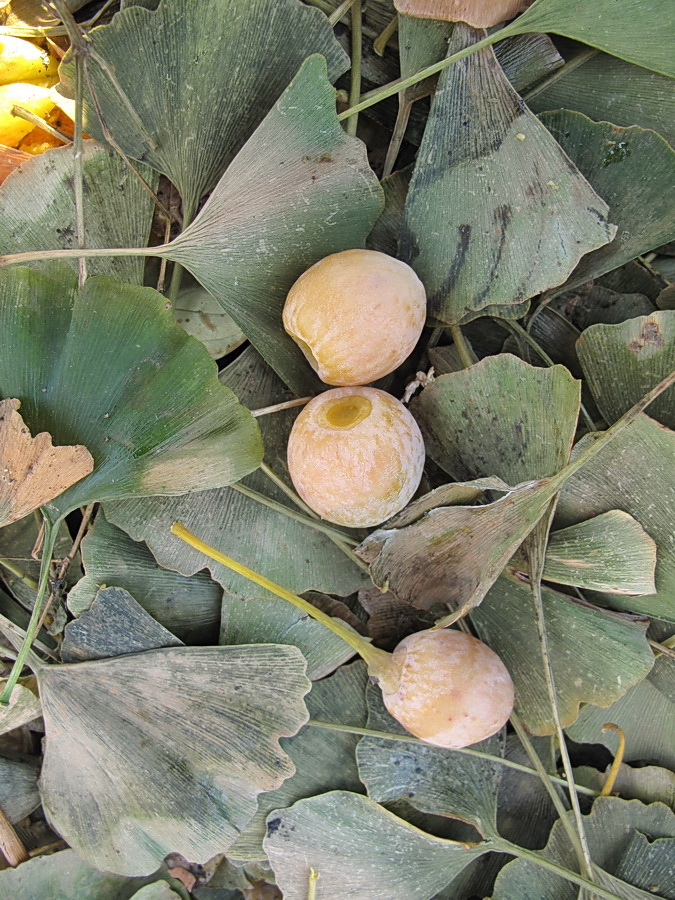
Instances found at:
x=355 y=455
x=356 y=315
x=452 y=689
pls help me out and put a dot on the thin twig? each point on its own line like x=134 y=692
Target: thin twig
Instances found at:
x=357 y=51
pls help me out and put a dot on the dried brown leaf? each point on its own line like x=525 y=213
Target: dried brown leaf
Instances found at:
x=32 y=471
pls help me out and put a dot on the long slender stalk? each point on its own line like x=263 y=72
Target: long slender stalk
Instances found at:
x=378 y=661
x=535 y=857
x=51 y=532
x=357 y=52
x=78 y=171
x=468 y=751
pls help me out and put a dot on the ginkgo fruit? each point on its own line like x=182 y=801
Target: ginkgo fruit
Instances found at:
x=356 y=315
x=355 y=456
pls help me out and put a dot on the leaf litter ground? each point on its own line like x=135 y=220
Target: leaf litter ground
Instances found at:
x=534 y=196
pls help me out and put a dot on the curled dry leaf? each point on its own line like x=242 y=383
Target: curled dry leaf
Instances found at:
x=32 y=471
x=479 y=13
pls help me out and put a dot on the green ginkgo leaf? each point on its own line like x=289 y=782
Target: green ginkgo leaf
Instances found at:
x=632 y=30
x=495 y=212
x=615 y=160
x=64 y=876
x=166 y=750
x=183 y=86
x=108 y=367
x=187 y=607
x=622 y=362
x=299 y=189
x=359 y=849
x=37 y=208
x=595 y=655
x=432 y=779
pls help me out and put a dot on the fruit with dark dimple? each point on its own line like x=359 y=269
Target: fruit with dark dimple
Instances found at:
x=355 y=456
x=448 y=688
x=356 y=315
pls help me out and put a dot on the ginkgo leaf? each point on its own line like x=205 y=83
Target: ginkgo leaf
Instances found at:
x=500 y=417
x=113 y=625
x=610 y=552
x=166 y=750
x=479 y=13
x=359 y=849
x=614 y=160
x=432 y=779
x=187 y=607
x=495 y=212
x=623 y=362
x=203 y=317
x=454 y=554
x=38 y=212
x=64 y=876
x=32 y=471
x=299 y=189
x=193 y=80
x=632 y=29
x=611 y=828
x=596 y=655
x=18 y=789
x=109 y=368
x=22 y=708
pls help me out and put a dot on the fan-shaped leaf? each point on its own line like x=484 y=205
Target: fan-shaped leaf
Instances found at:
x=64 y=876
x=299 y=189
x=33 y=471
x=615 y=160
x=632 y=30
x=611 y=552
x=607 y=89
x=454 y=554
x=113 y=625
x=595 y=655
x=108 y=367
x=632 y=473
x=646 y=715
x=183 y=86
x=37 y=208
x=18 y=789
x=623 y=362
x=188 y=608
x=500 y=417
x=22 y=708
x=433 y=780
x=359 y=849
x=610 y=828
x=324 y=760
x=166 y=750
x=495 y=211
x=200 y=315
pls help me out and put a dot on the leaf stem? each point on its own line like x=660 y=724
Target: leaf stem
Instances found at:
x=468 y=751
x=357 y=51
x=536 y=858
x=618 y=758
x=38 y=255
x=51 y=532
x=400 y=84
x=466 y=354
x=292 y=514
x=378 y=661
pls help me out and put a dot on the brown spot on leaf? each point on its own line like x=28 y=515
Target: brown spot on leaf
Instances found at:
x=650 y=334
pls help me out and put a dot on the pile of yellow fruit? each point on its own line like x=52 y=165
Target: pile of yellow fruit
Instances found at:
x=27 y=76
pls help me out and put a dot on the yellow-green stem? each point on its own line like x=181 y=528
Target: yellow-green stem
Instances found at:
x=378 y=661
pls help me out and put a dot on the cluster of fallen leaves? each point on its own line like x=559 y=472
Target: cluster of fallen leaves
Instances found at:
x=186 y=733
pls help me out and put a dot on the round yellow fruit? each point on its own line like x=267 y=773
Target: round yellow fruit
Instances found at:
x=356 y=315
x=448 y=688
x=355 y=456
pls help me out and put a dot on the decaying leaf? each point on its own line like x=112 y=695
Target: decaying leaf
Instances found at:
x=32 y=471
x=166 y=750
x=479 y=13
